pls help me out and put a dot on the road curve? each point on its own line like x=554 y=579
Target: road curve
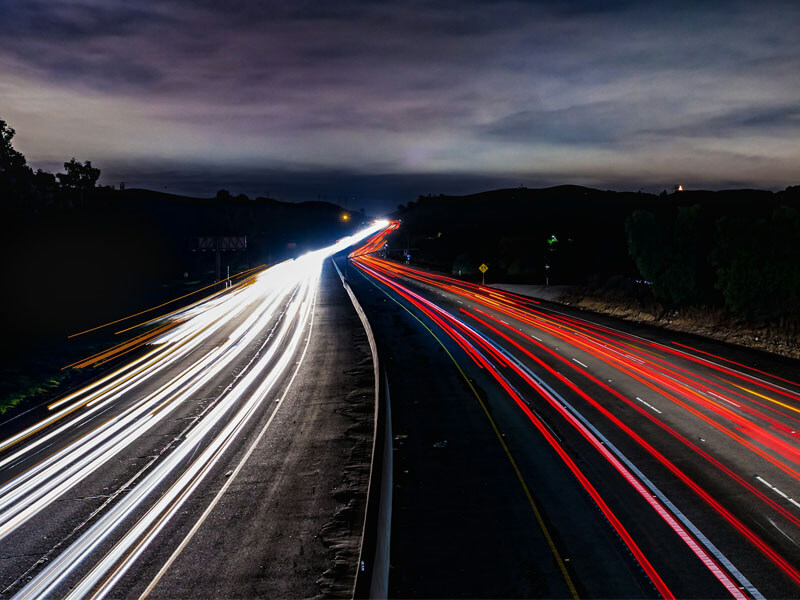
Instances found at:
x=635 y=466
x=90 y=491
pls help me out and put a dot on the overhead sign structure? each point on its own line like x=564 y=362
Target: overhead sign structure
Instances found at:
x=219 y=243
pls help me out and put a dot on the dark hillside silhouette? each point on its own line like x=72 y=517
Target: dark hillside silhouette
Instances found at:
x=78 y=254
x=577 y=231
x=738 y=249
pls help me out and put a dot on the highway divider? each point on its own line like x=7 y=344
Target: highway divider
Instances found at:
x=372 y=569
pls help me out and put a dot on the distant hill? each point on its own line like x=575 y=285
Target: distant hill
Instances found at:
x=509 y=230
x=271 y=225
x=695 y=244
x=81 y=260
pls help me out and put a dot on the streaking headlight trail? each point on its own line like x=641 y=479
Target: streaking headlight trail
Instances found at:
x=260 y=324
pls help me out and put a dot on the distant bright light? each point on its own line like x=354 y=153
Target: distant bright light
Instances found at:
x=345 y=217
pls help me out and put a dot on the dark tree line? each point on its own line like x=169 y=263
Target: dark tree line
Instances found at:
x=77 y=254
x=568 y=234
x=737 y=249
x=742 y=255
x=26 y=193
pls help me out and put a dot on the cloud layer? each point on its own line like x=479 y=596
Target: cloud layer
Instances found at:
x=603 y=93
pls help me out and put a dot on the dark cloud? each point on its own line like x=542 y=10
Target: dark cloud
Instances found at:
x=586 y=91
x=784 y=119
x=597 y=122
x=379 y=193
x=58 y=22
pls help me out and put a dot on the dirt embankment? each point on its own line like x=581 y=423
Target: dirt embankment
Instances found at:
x=779 y=337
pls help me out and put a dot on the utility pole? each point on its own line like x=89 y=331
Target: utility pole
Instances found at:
x=551 y=247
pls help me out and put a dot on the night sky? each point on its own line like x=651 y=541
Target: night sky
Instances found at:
x=373 y=103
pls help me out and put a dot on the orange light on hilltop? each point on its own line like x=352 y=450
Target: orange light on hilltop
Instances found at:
x=345 y=217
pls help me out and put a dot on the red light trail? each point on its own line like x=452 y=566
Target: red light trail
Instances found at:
x=726 y=401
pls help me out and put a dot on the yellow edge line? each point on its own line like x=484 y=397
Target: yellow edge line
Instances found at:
x=539 y=518
x=147 y=310
x=778 y=402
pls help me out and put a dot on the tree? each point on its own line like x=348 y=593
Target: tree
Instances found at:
x=688 y=259
x=17 y=194
x=757 y=268
x=10 y=159
x=671 y=250
x=647 y=245
x=78 y=176
x=463 y=265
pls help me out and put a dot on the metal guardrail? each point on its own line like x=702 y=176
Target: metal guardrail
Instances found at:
x=372 y=569
x=372 y=578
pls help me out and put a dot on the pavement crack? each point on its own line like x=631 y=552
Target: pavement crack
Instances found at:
x=14 y=556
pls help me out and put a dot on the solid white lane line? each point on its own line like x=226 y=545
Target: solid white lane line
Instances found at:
x=671 y=513
x=233 y=475
x=299 y=308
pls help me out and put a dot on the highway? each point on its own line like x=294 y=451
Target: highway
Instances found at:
x=541 y=451
x=210 y=460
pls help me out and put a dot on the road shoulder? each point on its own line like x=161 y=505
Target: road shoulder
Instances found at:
x=290 y=526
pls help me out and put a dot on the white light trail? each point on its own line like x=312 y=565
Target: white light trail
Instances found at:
x=211 y=336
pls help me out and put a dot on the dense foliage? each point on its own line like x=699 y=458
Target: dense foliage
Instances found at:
x=744 y=254
x=77 y=254
x=738 y=249
x=571 y=233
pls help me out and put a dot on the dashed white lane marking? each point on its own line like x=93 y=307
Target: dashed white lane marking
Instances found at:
x=506 y=322
x=536 y=338
x=633 y=358
x=710 y=393
x=777 y=491
x=648 y=405
x=580 y=363
x=788 y=537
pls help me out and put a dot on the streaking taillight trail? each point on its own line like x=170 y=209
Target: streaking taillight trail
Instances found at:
x=736 y=404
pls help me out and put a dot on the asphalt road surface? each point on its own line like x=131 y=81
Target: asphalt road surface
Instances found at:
x=227 y=457
x=550 y=453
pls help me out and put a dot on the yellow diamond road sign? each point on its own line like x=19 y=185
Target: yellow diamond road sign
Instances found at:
x=483 y=268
